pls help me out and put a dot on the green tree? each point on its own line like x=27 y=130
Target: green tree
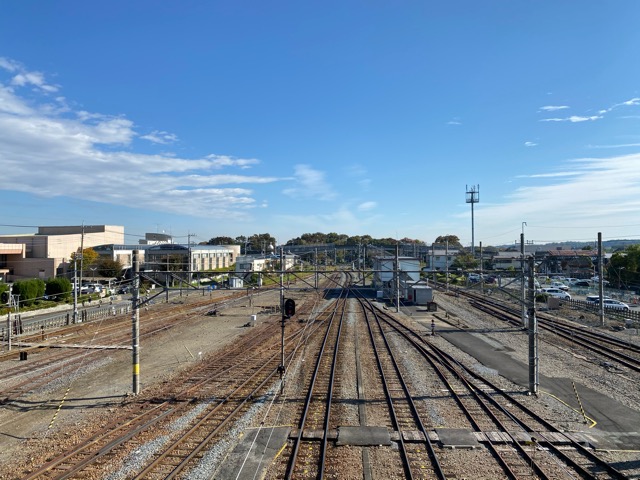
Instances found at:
x=622 y=270
x=465 y=261
x=89 y=258
x=58 y=289
x=221 y=241
x=109 y=268
x=29 y=290
x=4 y=292
x=454 y=241
x=259 y=243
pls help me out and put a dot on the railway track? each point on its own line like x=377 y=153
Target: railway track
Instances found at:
x=510 y=416
x=598 y=342
x=357 y=366
x=180 y=422
x=71 y=348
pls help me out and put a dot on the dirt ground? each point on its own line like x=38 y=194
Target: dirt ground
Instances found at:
x=97 y=387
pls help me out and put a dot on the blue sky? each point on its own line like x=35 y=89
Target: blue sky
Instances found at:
x=235 y=118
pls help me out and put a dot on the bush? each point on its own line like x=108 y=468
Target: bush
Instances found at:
x=58 y=289
x=29 y=290
x=4 y=293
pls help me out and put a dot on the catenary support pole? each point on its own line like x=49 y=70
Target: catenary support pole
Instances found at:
x=397 y=278
x=446 y=261
x=523 y=313
x=9 y=320
x=600 y=280
x=534 y=360
x=135 y=324
x=76 y=287
x=281 y=367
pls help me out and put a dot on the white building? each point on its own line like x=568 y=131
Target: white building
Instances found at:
x=384 y=274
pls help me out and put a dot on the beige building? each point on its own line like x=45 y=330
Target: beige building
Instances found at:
x=47 y=253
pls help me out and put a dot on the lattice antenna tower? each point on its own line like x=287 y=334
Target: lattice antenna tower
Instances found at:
x=473 y=196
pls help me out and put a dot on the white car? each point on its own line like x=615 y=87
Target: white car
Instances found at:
x=559 y=285
x=615 y=304
x=556 y=292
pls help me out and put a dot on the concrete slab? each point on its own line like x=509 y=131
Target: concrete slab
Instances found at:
x=457 y=438
x=255 y=452
x=363 y=436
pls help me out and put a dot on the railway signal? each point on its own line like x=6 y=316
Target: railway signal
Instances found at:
x=289 y=308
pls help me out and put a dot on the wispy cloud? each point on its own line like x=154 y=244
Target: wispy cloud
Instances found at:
x=366 y=206
x=553 y=108
x=310 y=183
x=590 y=193
x=23 y=77
x=455 y=121
x=49 y=150
x=579 y=118
x=622 y=145
x=160 y=137
x=573 y=119
x=361 y=176
x=530 y=144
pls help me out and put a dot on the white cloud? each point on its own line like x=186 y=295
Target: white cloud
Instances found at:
x=8 y=64
x=160 y=137
x=366 y=206
x=590 y=195
x=310 y=183
x=622 y=145
x=48 y=150
x=23 y=77
x=578 y=118
x=573 y=119
x=530 y=144
x=553 y=108
x=455 y=121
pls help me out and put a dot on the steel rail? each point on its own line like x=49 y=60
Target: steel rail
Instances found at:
x=297 y=441
x=438 y=470
x=453 y=365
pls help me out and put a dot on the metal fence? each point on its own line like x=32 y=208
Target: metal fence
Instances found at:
x=21 y=326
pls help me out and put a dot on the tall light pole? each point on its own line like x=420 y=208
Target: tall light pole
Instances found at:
x=473 y=196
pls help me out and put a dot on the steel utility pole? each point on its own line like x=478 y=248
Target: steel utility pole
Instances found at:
x=283 y=313
x=534 y=360
x=522 y=260
x=81 y=255
x=473 y=196
x=75 y=290
x=600 y=280
x=135 y=323
x=9 y=320
x=446 y=261
x=397 y=278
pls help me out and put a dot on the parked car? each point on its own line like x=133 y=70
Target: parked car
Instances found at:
x=596 y=298
x=556 y=292
x=581 y=283
x=615 y=304
x=559 y=285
